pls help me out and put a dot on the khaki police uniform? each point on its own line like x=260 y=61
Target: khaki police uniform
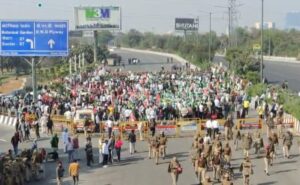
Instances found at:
x=162 y=146
x=247 y=171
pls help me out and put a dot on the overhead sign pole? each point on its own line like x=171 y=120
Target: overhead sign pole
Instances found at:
x=34 y=90
x=34 y=38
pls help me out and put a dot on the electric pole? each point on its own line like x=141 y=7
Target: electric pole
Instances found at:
x=262 y=43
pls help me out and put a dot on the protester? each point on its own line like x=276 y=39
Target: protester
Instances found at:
x=111 y=147
x=105 y=153
x=54 y=142
x=64 y=137
x=49 y=126
x=74 y=171
x=89 y=153
x=70 y=150
x=132 y=141
x=118 y=146
x=75 y=142
x=109 y=124
x=141 y=130
x=100 y=145
x=15 y=142
x=59 y=173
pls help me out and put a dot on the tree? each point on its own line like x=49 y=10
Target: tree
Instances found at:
x=104 y=37
x=133 y=38
x=86 y=49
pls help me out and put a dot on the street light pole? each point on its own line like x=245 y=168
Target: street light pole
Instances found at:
x=262 y=43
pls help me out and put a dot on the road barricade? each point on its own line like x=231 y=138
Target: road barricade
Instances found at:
x=59 y=124
x=172 y=128
x=249 y=123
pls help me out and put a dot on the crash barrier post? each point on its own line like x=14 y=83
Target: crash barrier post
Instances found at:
x=291 y=122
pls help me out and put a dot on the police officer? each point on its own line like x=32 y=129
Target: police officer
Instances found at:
x=246 y=168
x=287 y=143
x=155 y=148
x=216 y=162
x=267 y=159
x=200 y=166
x=258 y=142
x=247 y=142
x=207 y=181
x=227 y=153
x=162 y=145
x=151 y=141
x=226 y=180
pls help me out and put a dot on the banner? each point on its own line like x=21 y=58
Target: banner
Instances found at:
x=98 y=18
x=169 y=130
x=186 y=24
x=188 y=126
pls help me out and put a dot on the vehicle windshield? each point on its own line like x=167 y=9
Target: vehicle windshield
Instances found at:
x=85 y=115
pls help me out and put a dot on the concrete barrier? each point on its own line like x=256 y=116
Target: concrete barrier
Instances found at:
x=273 y=58
x=8 y=121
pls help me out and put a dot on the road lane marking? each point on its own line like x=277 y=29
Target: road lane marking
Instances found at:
x=3 y=140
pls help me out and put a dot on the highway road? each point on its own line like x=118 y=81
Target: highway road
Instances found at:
x=149 y=62
x=277 y=72
x=137 y=169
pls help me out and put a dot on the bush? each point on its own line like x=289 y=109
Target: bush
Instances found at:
x=28 y=88
x=257 y=89
x=253 y=77
x=291 y=103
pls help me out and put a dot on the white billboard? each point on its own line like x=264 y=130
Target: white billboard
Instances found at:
x=98 y=18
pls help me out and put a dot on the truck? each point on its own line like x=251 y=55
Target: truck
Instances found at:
x=113 y=60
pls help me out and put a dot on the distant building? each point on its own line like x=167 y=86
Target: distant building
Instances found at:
x=267 y=25
x=292 y=20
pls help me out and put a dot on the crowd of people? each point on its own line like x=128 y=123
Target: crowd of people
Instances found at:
x=151 y=97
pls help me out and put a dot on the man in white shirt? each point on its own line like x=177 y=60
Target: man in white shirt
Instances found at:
x=215 y=127
x=201 y=110
x=105 y=153
x=208 y=126
x=109 y=124
x=207 y=139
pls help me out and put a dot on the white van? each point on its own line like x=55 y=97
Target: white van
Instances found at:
x=79 y=119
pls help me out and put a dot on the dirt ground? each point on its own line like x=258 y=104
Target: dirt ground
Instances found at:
x=11 y=84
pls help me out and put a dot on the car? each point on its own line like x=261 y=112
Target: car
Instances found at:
x=133 y=61
x=79 y=119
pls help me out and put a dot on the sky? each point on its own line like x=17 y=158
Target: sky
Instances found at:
x=155 y=15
